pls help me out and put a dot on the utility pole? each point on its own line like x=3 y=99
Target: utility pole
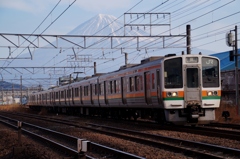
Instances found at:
x=234 y=44
x=188 y=39
x=21 y=89
x=236 y=69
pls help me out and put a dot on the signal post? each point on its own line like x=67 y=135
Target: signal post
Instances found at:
x=232 y=54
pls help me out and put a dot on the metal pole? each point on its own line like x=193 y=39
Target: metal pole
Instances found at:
x=95 y=68
x=188 y=39
x=126 y=59
x=2 y=89
x=21 y=90
x=236 y=69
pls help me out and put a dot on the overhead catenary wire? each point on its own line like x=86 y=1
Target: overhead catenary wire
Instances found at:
x=45 y=29
x=177 y=16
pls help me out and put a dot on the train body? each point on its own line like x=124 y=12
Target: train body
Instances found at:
x=177 y=89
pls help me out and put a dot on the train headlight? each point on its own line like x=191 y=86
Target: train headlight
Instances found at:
x=172 y=94
x=169 y=94
x=210 y=93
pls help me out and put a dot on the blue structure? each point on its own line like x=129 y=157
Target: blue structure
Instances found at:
x=225 y=63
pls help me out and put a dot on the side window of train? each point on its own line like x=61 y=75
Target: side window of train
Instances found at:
x=95 y=89
x=100 y=89
x=114 y=86
x=131 y=84
x=137 y=84
x=77 y=92
x=86 y=90
x=110 y=87
x=62 y=96
x=153 y=81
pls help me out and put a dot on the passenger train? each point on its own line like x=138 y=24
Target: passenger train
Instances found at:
x=178 y=89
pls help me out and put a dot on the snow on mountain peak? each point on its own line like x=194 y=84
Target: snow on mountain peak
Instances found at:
x=101 y=24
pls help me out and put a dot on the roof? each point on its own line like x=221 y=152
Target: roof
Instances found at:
x=225 y=64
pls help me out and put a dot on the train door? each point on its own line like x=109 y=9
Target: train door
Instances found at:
x=73 y=95
x=192 y=86
x=147 y=87
x=69 y=96
x=81 y=101
x=159 y=94
x=53 y=100
x=123 y=90
x=91 y=93
x=65 y=96
x=105 y=92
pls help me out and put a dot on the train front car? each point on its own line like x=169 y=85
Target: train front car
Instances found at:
x=191 y=89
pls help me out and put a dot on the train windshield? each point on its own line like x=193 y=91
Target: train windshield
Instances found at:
x=173 y=73
x=210 y=72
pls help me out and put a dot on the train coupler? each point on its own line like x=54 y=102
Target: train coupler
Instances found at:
x=193 y=113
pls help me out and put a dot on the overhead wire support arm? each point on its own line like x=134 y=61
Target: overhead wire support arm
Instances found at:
x=48 y=41
x=30 y=53
x=70 y=42
x=29 y=41
x=83 y=45
x=9 y=41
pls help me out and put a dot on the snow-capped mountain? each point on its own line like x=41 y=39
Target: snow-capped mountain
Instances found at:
x=103 y=24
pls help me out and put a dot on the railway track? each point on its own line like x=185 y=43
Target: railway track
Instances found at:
x=200 y=130
x=68 y=144
x=177 y=145
x=224 y=125
x=197 y=149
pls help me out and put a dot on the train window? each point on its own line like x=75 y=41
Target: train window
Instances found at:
x=131 y=80
x=86 y=91
x=210 y=72
x=68 y=93
x=96 y=89
x=62 y=94
x=111 y=87
x=192 y=78
x=114 y=86
x=141 y=82
x=153 y=81
x=173 y=73
x=77 y=92
x=56 y=95
x=100 y=88
x=137 y=85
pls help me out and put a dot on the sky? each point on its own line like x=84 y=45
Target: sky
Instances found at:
x=210 y=20
x=23 y=16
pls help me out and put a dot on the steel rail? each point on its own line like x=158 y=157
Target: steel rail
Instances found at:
x=93 y=146
x=175 y=141
x=43 y=139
